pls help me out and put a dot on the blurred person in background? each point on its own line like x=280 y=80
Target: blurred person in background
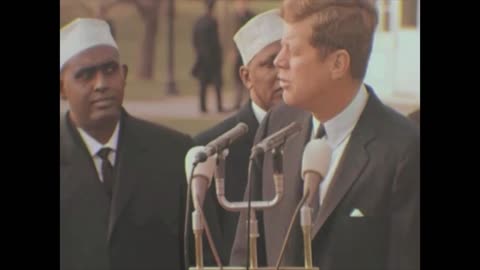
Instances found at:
x=208 y=64
x=242 y=14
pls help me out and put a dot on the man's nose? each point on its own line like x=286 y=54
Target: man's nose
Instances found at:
x=280 y=61
x=100 y=82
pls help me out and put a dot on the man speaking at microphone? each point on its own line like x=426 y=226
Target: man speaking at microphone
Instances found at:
x=369 y=201
x=122 y=180
x=258 y=42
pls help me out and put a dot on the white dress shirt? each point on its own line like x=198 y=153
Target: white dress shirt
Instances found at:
x=258 y=112
x=338 y=131
x=94 y=146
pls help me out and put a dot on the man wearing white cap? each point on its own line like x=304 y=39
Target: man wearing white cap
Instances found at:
x=241 y=15
x=258 y=42
x=121 y=178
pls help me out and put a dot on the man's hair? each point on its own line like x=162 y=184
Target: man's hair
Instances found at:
x=338 y=24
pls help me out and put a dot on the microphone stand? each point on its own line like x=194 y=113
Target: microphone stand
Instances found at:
x=197 y=227
x=253 y=235
x=252 y=222
x=238 y=206
x=199 y=223
x=306 y=223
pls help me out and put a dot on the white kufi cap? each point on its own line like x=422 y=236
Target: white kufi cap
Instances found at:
x=82 y=34
x=257 y=33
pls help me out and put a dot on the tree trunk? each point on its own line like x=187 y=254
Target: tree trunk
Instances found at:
x=171 y=85
x=149 y=14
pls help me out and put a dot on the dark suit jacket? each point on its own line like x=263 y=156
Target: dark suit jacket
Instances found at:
x=143 y=227
x=378 y=174
x=236 y=173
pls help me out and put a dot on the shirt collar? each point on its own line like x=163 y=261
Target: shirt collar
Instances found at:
x=94 y=146
x=339 y=127
x=258 y=112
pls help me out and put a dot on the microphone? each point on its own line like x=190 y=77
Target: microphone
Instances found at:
x=276 y=139
x=315 y=163
x=221 y=142
x=201 y=175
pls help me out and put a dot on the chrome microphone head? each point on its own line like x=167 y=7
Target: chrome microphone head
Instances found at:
x=315 y=164
x=316 y=157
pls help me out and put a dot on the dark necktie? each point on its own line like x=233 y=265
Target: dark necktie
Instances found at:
x=107 y=170
x=316 y=197
x=320 y=132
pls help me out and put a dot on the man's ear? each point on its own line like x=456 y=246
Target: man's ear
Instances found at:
x=63 y=95
x=340 y=64
x=245 y=76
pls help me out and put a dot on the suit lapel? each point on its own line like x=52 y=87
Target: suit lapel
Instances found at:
x=247 y=116
x=128 y=166
x=279 y=218
x=353 y=161
x=128 y=171
x=255 y=134
x=81 y=194
x=74 y=159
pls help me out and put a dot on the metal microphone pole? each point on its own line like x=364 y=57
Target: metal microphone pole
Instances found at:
x=253 y=240
x=306 y=223
x=197 y=227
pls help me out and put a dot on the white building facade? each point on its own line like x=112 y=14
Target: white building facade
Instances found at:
x=394 y=67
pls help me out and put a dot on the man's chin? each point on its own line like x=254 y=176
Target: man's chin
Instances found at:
x=105 y=117
x=288 y=98
x=293 y=101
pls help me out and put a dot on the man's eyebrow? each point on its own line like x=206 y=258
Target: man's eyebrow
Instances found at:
x=270 y=58
x=286 y=39
x=94 y=67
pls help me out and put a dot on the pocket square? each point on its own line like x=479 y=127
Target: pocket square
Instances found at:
x=356 y=213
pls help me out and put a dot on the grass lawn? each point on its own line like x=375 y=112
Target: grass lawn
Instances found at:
x=189 y=126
